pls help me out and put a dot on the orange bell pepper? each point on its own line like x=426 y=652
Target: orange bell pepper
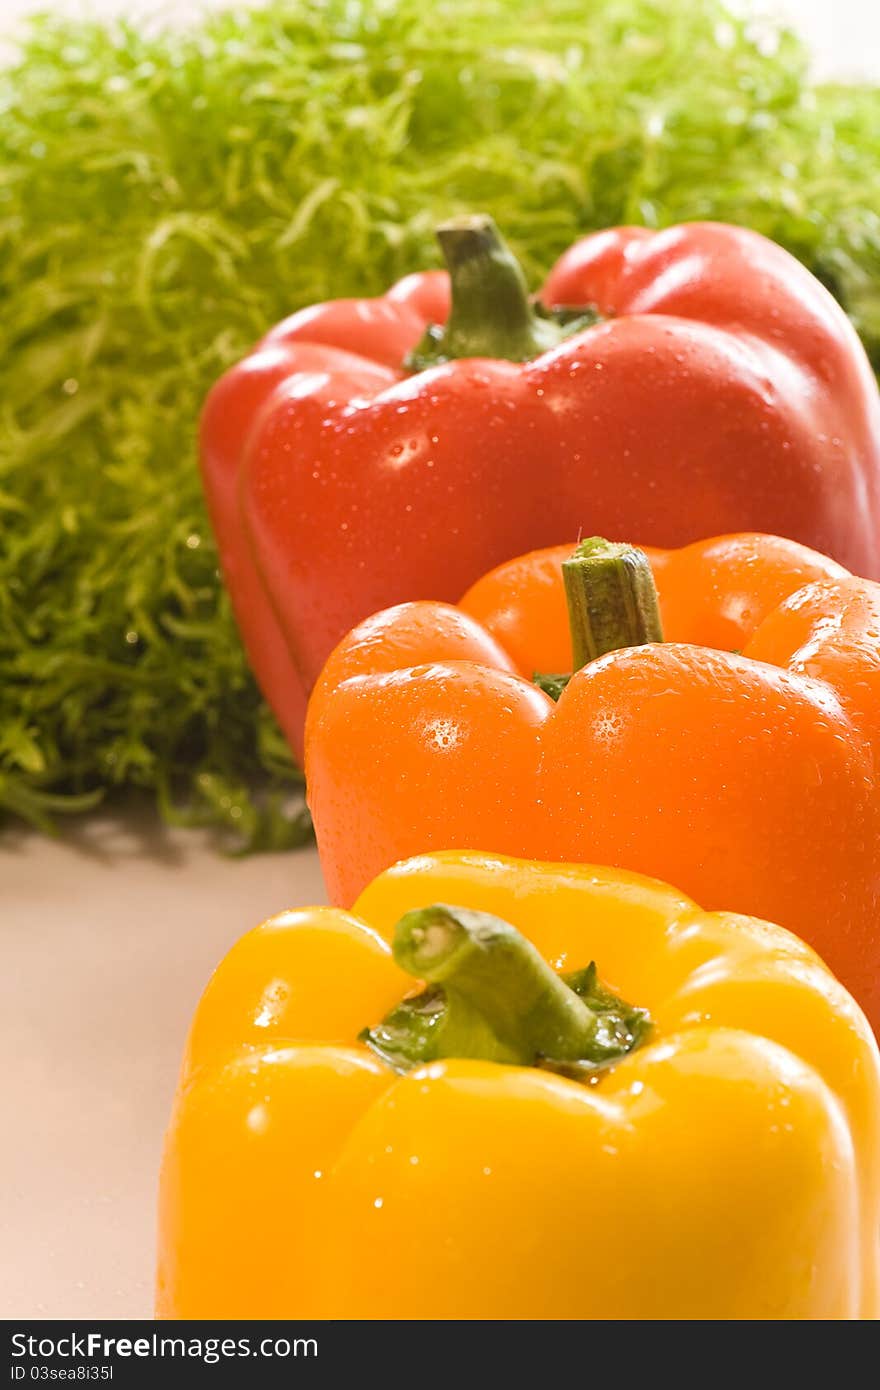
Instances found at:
x=722 y=1162
x=739 y=759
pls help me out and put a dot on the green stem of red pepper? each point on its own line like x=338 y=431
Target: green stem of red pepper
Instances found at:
x=493 y=996
x=612 y=604
x=491 y=312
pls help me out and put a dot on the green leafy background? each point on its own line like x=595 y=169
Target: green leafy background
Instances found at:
x=164 y=197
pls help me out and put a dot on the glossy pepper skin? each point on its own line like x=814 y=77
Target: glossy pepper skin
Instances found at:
x=726 y=1169
x=725 y=390
x=739 y=758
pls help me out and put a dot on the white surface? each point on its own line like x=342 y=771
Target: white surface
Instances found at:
x=108 y=938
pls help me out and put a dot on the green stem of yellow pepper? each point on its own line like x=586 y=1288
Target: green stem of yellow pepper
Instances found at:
x=493 y=996
x=490 y=967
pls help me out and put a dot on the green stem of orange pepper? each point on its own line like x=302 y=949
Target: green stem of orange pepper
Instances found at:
x=612 y=604
x=612 y=599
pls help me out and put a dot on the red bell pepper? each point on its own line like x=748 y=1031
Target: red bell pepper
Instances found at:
x=668 y=385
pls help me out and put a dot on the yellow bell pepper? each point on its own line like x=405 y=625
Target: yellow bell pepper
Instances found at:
x=512 y=1144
